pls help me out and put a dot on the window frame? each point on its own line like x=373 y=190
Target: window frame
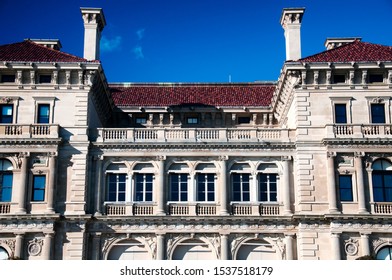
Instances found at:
x=202 y=187
x=182 y=194
x=144 y=192
x=269 y=193
x=383 y=189
x=42 y=101
x=341 y=100
x=2 y=106
x=35 y=190
x=342 y=189
x=241 y=191
x=117 y=187
x=7 y=172
x=6 y=81
x=195 y=121
x=372 y=113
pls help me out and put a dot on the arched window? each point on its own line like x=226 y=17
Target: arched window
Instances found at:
x=268 y=189
x=382 y=181
x=116 y=183
x=385 y=253
x=3 y=254
x=5 y=180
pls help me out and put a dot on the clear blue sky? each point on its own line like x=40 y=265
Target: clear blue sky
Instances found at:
x=195 y=40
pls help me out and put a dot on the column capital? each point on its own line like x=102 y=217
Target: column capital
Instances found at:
x=53 y=154
x=223 y=158
x=331 y=154
x=286 y=158
x=359 y=154
x=160 y=158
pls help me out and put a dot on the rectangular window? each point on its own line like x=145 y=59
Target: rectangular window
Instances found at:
x=178 y=187
x=241 y=187
x=382 y=186
x=378 y=113
x=43 y=113
x=141 y=120
x=345 y=188
x=205 y=187
x=268 y=188
x=243 y=120
x=39 y=183
x=116 y=187
x=192 y=120
x=339 y=79
x=143 y=187
x=376 y=78
x=5 y=187
x=45 y=79
x=8 y=78
x=6 y=113
x=340 y=113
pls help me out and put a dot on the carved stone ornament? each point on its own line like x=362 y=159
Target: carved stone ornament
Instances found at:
x=351 y=247
x=35 y=247
x=10 y=243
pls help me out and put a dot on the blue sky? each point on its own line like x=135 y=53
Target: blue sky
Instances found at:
x=195 y=40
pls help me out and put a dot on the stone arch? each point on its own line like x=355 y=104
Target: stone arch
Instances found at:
x=117 y=248
x=192 y=243
x=258 y=248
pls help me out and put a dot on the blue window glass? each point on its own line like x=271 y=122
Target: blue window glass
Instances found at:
x=382 y=186
x=39 y=182
x=6 y=113
x=345 y=188
x=43 y=113
x=143 y=187
x=378 y=113
x=241 y=187
x=268 y=188
x=116 y=187
x=340 y=113
x=205 y=187
x=178 y=187
x=5 y=180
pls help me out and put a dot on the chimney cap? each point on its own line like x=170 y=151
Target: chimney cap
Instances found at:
x=93 y=15
x=49 y=43
x=333 y=42
x=287 y=19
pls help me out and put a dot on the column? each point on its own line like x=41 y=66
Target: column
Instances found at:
x=331 y=183
x=96 y=246
x=161 y=200
x=223 y=189
x=289 y=242
x=365 y=244
x=360 y=182
x=286 y=185
x=51 y=183
x=19 y=246
x=47 y=248
x=24 y=159
x=335 y=246
x=160 y=247
x=98 y=176
x=225 y=251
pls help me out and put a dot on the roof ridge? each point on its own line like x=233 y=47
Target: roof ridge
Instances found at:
x=53 y=50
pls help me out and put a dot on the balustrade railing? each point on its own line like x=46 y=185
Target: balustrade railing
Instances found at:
x=358 y=130
x=29 y=131
x=190 y=134
x=5 y=208
x=383 y=208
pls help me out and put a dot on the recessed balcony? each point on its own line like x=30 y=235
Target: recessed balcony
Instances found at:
x=113 y=135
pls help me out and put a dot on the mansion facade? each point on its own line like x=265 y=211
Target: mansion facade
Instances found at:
x=299 y=169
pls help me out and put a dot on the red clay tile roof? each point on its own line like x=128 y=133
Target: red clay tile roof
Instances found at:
x=356 y=51
x=28 y=51
x=225 y=95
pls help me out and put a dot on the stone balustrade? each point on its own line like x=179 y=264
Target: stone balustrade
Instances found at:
x=359 y=130
x=5 y=208
x=191 y=134
x=382 y=208
x=19 y=131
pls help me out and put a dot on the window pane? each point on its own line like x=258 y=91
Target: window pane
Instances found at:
x=378 y=113
x=43 y=113
x=39 y=187
x=6 y=114
x=340 y=113
x=345 y=188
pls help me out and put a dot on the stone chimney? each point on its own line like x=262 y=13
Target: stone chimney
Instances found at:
x=291 y=22
x=94 y=22
x=331 y=43
x=49 y=43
